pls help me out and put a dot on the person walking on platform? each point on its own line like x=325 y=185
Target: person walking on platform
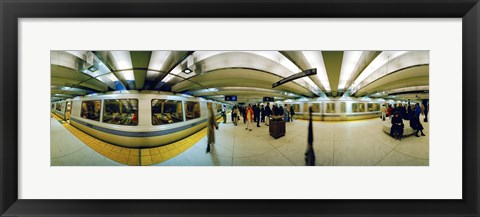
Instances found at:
x=268 y=112
x=233 y=114
x=256 y=112
x=292 y=113
x=262 y=114
x=249 y=117
x=415 y=121
x=244 y=114
x=384 y=111
x=280 y=110
x=212 y=123
x=224 y=114
x=286 y=113
x=389 y=111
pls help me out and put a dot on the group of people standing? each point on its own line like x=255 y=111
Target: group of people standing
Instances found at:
x=260 y=114
x=399 y=113
x=250 y=114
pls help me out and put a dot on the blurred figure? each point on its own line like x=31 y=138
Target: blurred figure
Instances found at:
x=233 y=114
x=415 y=121
x=268 y=112
x=403 y=111
x=286 y=113
x=256 y=112
x=292 y=113
x=224 y=114
x=274 y=110
x=389 y=111
x=249 y=117
x=254 y=108
x=425 y=109
x=262 y=114
x=212 y=123
x=384 y=112
x=237 y=116
x=244 y=114
x=310 y=153
x=280 y=110
x=397 y=126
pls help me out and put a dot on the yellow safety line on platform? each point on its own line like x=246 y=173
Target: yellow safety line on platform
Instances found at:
x=137 y=156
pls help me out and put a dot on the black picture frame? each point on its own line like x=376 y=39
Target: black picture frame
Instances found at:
x=12 y=10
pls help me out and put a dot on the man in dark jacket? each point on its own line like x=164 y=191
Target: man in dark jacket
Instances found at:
x=262 y=114
x=268 y=112
x=256 y=112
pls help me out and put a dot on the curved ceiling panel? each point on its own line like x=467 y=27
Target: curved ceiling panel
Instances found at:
x=236 y=77
x=413 y=76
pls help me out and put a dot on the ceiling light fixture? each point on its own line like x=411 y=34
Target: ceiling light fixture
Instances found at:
x=187 y=71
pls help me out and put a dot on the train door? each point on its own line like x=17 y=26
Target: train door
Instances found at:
x=68 y=111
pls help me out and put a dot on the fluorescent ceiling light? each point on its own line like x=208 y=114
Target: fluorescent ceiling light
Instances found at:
x=315 y=59
x=350 y=60
x=167 y=78
x=122 y=60
x=158 y=58
x=128 y=75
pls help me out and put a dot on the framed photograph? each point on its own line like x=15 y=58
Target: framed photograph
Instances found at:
x=202 y=108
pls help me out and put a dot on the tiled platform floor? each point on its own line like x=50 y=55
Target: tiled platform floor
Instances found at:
x=353 y=143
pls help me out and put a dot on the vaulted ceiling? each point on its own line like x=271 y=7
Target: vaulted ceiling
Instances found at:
x=247 y=74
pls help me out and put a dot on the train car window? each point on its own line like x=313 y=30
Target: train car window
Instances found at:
x=166 y=111
x=316 y=107
x=120 y=111
x=358 y=107
x=296 y=107
x=343 y=107
x=53 y=106
x=373 y=107
x=58 y=107
x=330 y=107
x=192 y=110
x=91 y=110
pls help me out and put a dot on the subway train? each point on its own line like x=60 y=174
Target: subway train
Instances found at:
x=338 y=109
x=136 y=119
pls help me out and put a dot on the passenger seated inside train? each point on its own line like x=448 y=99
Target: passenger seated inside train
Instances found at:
x=121 y=112
x=166 y=112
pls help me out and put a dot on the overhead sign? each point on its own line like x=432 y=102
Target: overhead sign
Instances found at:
x=307 y=72
x=268 y=99
x=230 y=98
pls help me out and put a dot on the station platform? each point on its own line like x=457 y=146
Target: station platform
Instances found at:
x=347 y=143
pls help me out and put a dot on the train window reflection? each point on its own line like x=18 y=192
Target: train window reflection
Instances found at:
x=315 y=107
x=192 y=110
x=91 y=110
x=296 y=107
x=58 y=107
x=343 y=107
x=373 y=107
x=330 y=107
x=358 y=107
x=120 y=111
x=166 y=111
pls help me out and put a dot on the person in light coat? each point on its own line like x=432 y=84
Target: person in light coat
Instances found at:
x=211 y=124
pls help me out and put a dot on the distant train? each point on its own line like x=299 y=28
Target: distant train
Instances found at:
x=136 y=119
x=337 y=109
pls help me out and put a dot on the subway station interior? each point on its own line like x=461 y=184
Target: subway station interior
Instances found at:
x=239 y=108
